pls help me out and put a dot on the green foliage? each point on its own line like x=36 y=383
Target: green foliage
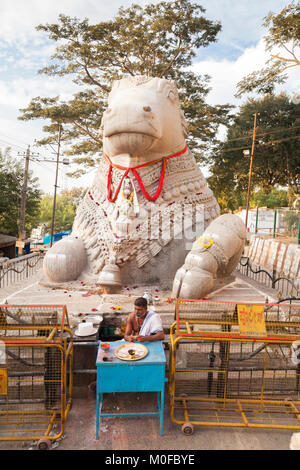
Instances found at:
x=156 y=40
x=11 y=181
x=65 y=209
x=276 y=152
x=284 y=37
x=275 y=198
x=292 y=220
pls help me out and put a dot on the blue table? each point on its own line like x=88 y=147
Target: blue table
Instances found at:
x=144 y=375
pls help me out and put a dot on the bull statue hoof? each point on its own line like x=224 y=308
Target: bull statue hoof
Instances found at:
x=215 y=254
x=65 y=260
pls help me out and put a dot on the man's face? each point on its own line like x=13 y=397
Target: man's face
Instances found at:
x=140 y=311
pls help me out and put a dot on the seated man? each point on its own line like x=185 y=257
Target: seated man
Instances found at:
x=143 y=324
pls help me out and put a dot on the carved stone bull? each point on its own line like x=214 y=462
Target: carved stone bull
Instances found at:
x=148 y=187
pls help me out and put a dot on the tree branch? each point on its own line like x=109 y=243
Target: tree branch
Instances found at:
x=286 y=60
x=103 y=87
x=86 y=131
x=174 y=58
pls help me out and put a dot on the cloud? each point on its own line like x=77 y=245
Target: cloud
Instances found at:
x=241 y=21
x=225 y=74
x=18 y=92
x=19 y=18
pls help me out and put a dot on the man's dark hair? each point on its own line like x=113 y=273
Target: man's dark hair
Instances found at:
x=141 y=302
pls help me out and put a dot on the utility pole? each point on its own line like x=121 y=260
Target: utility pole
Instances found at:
x=55 y=185
x=22 y=234
x=250 y=169
x=27 y=155
x=65 y=161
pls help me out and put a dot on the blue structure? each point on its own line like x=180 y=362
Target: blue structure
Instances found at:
x=145 y=375
x=56 y=237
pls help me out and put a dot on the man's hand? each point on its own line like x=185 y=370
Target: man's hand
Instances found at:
x=130 y=338
x=159 y=336
x=141 y=339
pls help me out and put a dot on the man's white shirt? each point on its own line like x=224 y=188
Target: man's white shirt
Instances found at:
x=152 y=324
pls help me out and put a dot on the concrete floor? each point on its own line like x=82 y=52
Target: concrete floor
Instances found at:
x=142 y=433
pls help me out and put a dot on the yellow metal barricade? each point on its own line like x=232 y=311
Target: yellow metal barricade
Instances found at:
x=235 y=365
x=36 y=356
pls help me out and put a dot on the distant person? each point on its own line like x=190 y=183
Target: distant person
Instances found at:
x=143 y=324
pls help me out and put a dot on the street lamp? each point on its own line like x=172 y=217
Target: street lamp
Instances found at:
x=250 y=169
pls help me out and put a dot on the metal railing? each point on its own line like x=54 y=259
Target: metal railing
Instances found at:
x=276 y=223
x=18 y=269
x=284 y=286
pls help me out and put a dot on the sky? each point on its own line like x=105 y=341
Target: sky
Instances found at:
x=23 y=51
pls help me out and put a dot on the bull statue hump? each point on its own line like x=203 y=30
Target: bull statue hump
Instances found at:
x=135 y=222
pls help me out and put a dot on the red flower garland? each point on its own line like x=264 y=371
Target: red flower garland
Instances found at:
x=137 y=177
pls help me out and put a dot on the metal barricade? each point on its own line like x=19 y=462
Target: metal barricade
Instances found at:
x=220 y=375
x=36 y=356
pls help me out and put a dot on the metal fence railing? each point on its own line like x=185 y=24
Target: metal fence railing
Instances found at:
x=18 y=269
x=283 y=285
x=276 y=223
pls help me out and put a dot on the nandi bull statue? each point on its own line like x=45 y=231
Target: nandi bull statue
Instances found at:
x=129 y=226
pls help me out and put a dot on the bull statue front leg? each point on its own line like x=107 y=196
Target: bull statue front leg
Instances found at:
x=65 y=260
x=215 y=254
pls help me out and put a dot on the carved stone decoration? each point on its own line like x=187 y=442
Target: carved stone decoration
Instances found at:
x=146 y=194
x=215 y=254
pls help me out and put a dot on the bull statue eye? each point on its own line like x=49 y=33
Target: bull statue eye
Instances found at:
x=147 y=109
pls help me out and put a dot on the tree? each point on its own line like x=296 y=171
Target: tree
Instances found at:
x=276 y=154
x=275 y=198
x=65 y=209
x=284 y=37
x=11 y=180
x=157 y=40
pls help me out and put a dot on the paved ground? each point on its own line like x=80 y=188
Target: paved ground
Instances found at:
x=142 y=433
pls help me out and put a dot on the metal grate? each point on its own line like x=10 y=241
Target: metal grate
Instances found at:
x=18 y=320
x=35 y=372
x=220 y=376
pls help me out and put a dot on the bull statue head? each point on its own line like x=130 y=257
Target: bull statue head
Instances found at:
x=143 y=120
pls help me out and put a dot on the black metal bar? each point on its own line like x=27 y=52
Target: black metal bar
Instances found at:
x=258 y=272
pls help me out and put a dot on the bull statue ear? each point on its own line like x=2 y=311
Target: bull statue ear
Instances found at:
x=101 y=128
x=184 y=124
x=115 y=85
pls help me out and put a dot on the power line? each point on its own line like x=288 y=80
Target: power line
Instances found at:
x=264 y=144
x=17 y=140
x=37 y=162
x=12 y=145
x=264 y=133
